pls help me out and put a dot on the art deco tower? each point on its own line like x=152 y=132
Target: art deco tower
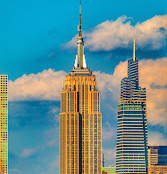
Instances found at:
x=4 y=124
x=80 y=119
x=131 y=155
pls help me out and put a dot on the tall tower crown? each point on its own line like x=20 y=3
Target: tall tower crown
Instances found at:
x=80 y=61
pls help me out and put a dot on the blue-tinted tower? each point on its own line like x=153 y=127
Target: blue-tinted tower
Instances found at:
x=131 y=154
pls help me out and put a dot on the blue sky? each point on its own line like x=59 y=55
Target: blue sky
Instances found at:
x=33 y=38
x=32 y=29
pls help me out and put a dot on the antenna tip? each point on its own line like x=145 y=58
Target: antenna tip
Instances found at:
x=134 y=50
x=80 y=6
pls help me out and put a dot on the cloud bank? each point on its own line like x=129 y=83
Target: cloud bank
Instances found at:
x=156 y=139
x=111 y=35
x=109 y=133
x=27 y=153
x=155 y=72
x=48 y=84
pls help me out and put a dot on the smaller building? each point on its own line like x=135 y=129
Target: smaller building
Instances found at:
x=157 y=159
x=157 y=155
x=157 y=169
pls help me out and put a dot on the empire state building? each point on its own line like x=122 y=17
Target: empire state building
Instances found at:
x=80 y=119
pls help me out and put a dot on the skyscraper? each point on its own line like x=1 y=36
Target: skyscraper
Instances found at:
x=80 y=118
x=4 y=124
x=131 y=154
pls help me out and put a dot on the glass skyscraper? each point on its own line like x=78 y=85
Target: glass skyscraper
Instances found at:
x=131 y=153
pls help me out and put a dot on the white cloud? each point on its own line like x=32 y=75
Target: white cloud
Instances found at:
x=27 y=153
x=55 y=111
x=53 y=166
x=156 y=138
x=108 y=132
x=15 y=171
x=46 y=85
x=110 y=35
x=48 y=138
x=155 y=72
x=110 y=83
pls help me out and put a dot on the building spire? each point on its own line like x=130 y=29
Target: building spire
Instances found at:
x=80 y=21
x=103 y=159
x=134 y=50
x=80 y=61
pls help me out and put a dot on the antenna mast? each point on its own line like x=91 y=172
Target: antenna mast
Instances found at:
x=134 y=50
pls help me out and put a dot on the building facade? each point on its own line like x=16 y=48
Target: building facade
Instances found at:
x=4 y=125
x=157 y=159
x=80 y=119
x=131 y=153
x=157 y=155
x=157 y=169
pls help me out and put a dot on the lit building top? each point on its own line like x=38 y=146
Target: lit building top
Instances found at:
x=130 y=85
x=80 y=67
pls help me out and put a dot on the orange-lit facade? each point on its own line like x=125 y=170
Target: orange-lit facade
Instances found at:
x=1 y=168
x=80 y=119
x=157 y=169
x=80 y=126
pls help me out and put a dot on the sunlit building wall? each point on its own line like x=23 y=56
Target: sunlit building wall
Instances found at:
x=4 y=124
